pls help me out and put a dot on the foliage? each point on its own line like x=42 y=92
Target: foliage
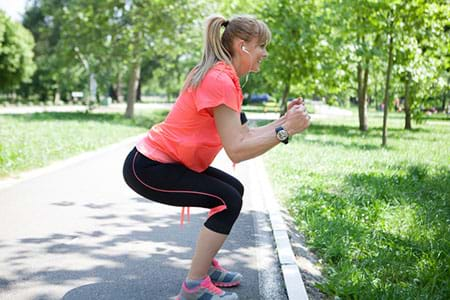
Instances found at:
x=293 y=51
x=56 y=73
x=118 y=36
x=109 y=39
x=16 y=55
x=322 y=41
x=421 y=48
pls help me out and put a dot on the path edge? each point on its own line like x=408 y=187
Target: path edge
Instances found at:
x=295 y=287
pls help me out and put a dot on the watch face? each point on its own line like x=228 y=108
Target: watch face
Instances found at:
x=282 y=135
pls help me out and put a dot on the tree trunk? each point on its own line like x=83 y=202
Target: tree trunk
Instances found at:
x=168 y=95
x=138 y=93
x=359 y=72
x=283 y=107
x=407 y=102
x=444 y=101
x=57 y=96
x=386 y=91
x=375 y=94
x=119 y=87
x=362 y=96
x=444 y=97
x=132 y=88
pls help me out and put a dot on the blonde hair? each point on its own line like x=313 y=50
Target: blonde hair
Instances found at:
x=217 y=47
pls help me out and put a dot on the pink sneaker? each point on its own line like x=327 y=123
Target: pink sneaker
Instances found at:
x=206 y=290
x=221 y=277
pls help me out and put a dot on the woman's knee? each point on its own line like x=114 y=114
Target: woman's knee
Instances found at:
x=223 y=221
x=240 y=188
x=235 y=206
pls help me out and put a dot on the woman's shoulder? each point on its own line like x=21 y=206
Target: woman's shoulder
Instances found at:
x=223 y=73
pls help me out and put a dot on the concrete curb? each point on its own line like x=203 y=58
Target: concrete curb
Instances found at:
x=295 y=287
x=8 y=182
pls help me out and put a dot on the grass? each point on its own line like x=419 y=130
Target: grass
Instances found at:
x=379 y=218
x=34 y=140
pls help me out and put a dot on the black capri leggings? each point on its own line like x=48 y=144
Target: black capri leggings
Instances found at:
x=174 y=184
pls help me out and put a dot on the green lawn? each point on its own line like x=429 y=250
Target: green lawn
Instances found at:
x=34 y=140
x=378 y=218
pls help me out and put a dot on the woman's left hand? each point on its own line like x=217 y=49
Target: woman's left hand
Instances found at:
x=297 y=101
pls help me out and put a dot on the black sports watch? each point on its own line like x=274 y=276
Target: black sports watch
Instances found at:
x=282 y=134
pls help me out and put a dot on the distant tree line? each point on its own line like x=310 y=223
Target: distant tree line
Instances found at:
x=325 y=49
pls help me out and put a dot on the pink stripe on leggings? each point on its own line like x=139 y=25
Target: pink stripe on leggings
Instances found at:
x=212 y=212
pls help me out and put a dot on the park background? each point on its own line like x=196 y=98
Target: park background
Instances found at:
x=370 y=190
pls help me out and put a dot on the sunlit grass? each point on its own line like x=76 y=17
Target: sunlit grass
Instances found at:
x=34 y=140
x=379 y=218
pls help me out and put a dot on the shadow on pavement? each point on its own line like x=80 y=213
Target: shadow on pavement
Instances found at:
x=136 y=253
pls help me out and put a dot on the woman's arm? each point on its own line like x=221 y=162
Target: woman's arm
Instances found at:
x=279 y=122
x=242 y=143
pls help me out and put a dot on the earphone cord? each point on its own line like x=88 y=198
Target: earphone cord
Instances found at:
x=246 y=79
x=251 y=65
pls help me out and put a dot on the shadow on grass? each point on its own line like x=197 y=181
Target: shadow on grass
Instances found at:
x=353 y=131
x=354 y=145
x=350 y=130
x=367 y=140
x=140 y=120
x=406 y=184
x=383 y=236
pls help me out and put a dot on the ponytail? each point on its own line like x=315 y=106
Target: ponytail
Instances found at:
x=218 y=46
x=213 y=51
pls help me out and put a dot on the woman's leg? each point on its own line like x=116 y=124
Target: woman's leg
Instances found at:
x=208 y=244
x=176 y=185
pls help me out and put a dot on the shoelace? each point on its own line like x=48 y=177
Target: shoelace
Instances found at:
x=212 y=288
x=216 y=265
x=182 y=215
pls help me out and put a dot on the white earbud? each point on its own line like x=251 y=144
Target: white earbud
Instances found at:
x=245 y=49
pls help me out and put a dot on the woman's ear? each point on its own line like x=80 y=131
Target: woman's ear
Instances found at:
x=239 y=45
x=242 y=46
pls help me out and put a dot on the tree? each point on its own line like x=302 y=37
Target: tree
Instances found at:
x=57 y=74
x=118 y=36
x=388 y=81
x=421 y=51
x=356 y=39
x=293 y=50
x=16 y=53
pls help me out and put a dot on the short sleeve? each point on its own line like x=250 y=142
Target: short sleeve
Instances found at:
x=217 y=88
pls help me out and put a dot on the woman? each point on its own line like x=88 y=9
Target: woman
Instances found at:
x=171 y=165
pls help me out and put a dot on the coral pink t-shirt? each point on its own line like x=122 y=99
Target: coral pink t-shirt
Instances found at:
x=189 y=135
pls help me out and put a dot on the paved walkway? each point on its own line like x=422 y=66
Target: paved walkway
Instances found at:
x=78 y=232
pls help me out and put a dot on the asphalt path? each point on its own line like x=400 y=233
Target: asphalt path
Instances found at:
x=78 y=232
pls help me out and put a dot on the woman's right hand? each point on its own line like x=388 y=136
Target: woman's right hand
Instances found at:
x=296 y=119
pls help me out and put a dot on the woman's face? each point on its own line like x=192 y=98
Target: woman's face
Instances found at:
x=256 y=52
